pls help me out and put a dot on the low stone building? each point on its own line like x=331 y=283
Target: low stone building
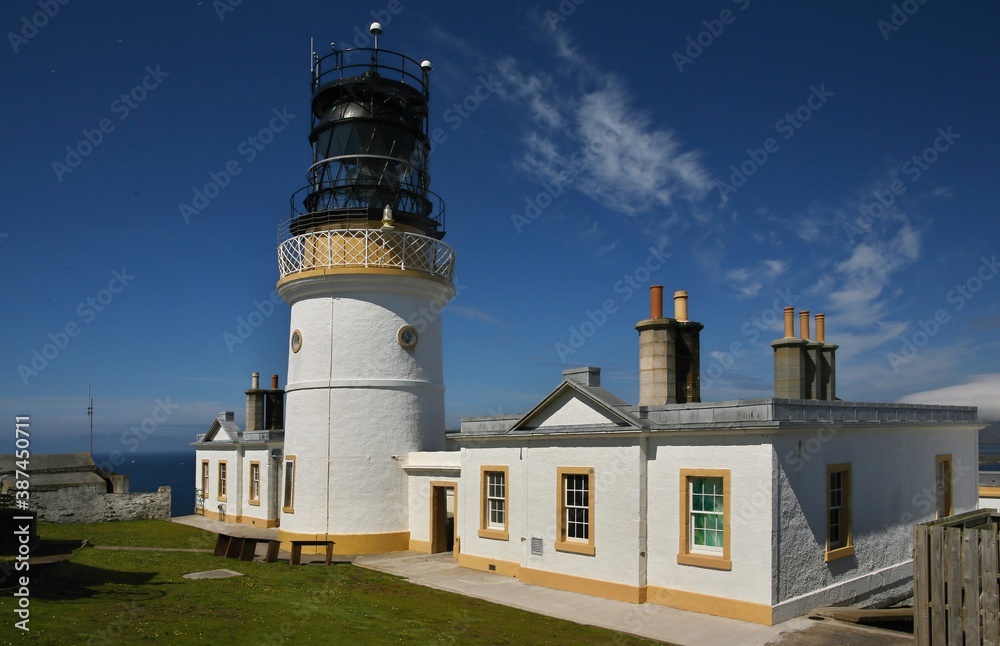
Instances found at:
x=70 y=488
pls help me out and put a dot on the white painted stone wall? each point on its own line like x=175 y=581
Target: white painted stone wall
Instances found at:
x=748 y=459
x=893 y=487
x=357 y=402
x=422 y=469
x=214 y=456
x=263 y=509
x=533 y=487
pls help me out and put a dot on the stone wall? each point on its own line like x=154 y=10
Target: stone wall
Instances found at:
x=89 y=504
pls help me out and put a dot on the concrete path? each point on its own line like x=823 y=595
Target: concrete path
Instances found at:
x=645 y=620
x=651 y=621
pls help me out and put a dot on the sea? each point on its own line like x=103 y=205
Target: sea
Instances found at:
x=149 y=471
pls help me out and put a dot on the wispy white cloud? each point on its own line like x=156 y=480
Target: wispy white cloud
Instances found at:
x=586 y=132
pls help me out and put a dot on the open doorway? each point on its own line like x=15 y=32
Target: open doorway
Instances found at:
x=444 y=516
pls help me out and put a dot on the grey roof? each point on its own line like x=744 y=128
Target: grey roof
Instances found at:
x=762 y=414
x=55 y=470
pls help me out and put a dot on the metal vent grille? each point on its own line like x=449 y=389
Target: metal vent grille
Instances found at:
x=536 y=546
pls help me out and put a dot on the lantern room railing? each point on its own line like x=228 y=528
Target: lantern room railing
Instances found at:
x=365 y=248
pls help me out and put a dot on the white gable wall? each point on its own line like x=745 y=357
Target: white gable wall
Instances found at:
x=569 y=409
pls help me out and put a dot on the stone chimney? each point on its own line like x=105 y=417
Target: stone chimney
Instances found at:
x=804 y=368
x=255 y=404
x=669 y=351
x=584 y=375
x=275 y=409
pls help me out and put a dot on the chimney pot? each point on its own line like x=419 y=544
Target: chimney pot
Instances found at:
x=789 y=322
x=821 y=328
x=274 y=382
x=804 y=324
x=681 y=305
x=656 y=302
x=255 y=381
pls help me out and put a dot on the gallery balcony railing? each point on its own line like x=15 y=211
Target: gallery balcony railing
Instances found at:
x=365 y=248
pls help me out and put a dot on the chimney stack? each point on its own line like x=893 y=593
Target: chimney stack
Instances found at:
x=669 y=351
x=275 y=418
x=804 y=368
x=255 y=404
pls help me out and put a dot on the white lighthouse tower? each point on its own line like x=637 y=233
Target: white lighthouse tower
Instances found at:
x=361 y=264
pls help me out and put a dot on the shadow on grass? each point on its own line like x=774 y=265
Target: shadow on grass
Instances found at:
x=68 y=580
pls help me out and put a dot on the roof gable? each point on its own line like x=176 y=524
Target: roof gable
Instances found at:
x=223 y=429
x=577 y=407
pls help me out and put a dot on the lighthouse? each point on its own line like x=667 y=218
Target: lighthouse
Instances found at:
x=361 y=264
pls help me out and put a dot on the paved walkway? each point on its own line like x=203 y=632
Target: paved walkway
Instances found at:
x=645 y=620
x=651 y=621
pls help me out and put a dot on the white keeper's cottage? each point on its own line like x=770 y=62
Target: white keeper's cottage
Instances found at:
x=757 y=509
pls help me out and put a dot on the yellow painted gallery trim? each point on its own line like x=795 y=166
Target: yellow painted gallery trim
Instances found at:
x=350 y=543
x=583 y=585
x=382 y=271
x=423 y=547
x=708 y=604
x=506 y=568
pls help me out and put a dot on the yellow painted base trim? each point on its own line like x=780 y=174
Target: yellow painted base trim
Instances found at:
x=241 y=520
x=350 y=543
x=583 y=585
x=708 y=604
x=506 y=568
x=989 y=492
x=420 y=546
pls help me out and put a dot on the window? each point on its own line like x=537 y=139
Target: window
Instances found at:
x=493 y=504
x=942 y=466
x=204 y=478
x=222 y=480
x=704 y=518
x=839 y=540
x=254 y=483
x=289 y=502
x=575 y=501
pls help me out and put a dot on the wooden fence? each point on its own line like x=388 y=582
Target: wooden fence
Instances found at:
x=955 y=580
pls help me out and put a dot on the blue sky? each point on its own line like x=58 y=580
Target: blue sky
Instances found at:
x=835 y=157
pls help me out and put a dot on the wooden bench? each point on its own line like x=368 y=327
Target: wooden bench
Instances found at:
x=244 y=548
x=297 y=550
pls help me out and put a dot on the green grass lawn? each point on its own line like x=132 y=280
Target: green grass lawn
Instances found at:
x=112 y=597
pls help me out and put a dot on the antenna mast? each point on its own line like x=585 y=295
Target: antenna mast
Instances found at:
x=90 y=414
